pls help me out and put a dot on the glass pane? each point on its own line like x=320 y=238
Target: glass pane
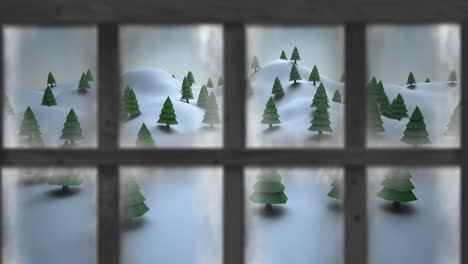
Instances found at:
x=295 y=86
x=414 y=215
x=294 y=215
x=49 y=215
x=414 y=80
x=172 y=86
x=171 y=215
x=50 y=87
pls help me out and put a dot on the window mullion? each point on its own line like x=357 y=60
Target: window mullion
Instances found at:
x=464 y=145
x=2 y=63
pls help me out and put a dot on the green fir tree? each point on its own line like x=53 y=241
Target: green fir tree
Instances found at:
x=337 y=97
x=255 y=65
x=203 y=97
x=374 y=122
x=415 y=133
x=453 y=78
x=277 y=88
x=190 y=78
x=397 y=187
x=337 y=190
x=343 y=78
x=427 y=80
x=168 y=115
x=283 y=56
x=382 y=99
x=320 y=97
x=7 y=106
x=133 y=202
x=209 y=84
x=186 y=90
x=144 y=137
x=83 y=86
x=51 y=80
x=220 y=81
x=48 y=99
x=211 y=116
x=294 y=75
x=314 y=75
x=72 y=131
x=269 y=190
x=295 y=55
x=321 y=119
x=411 y=81
x=453 y=126
x=129 y=104
x=398 y=108
x=270 y=114
x=29 y=126
x=89 y=76
x=65 y=179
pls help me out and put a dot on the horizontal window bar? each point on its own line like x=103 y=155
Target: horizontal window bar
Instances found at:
x=254 y=157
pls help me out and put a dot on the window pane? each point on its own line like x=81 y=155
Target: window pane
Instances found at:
x=294 y=215
x=295 y=86
x=171 y=215
x=159 y=108
x=63 y=59
x=414 y=80
x=49 y=215
x=414 y=215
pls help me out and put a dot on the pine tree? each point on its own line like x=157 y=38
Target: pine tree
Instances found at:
x=453 y=126
x=37 y=142
x=373 y=85
x=320 y=97
x=314 y=75
x=89 y=76
x=337 y=190
x=186 y=90
x=277 y=88
x=453 y=77
x=398 y=108
x=255 y=65
x=374 y=122
x=123 y=102
x=270 y=114
x=51 y=80
x=343 y=78
x=427 y=80
x=71 y=129
x=209 y=84
x=411 y=81
x=144 y=137
x=168 y=115
x=173 y=76
x=7 y=105
x=211 y=116
x=203 y=97
x=48 y=99
x=220 y=81
x=129 y=104
x=29 y=126
x=190 y=78
x=415 y=133
x=295 y=55
x=382 y=99
x=294 y=75
x=321 y=119
x=65 y=179
x=283 y=56
x=133 y=202
x=84 y=84
x=397 y=187
x=269 y=190
x=337 y=97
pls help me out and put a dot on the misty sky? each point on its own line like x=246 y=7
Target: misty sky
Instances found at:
x=393 y=51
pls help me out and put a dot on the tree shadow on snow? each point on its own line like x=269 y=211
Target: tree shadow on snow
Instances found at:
x=166 y=129
x=32 y=181
x=405 y=209
x=271 y=129
x=133 y=224
x=320 y=137
x=278 y=212
x=58 y=193
x=208 y=128
x=336 y=207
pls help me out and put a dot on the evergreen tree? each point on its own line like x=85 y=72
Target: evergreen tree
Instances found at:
x=29 y=126
x=203 y=97
x=65 y=179
x=337 y=190
x=427 y=80
x=295 y=55
x=314 y=75
x=186 y=90
x=255 y=65
x=190 y=78
x=71 y=129
x=173 y=76
x=133 y=202
x=277 y=88
x=220 y=81
x=415 y=133
x=51 y=80
x=398 y=108
x=269 y=190
x=209 y=84
x=382 y=99
x=337 y=97
x=36 y=141
x=89 y=76
x=320 y=97
x=270 y=114
x=83 y=86
x=48 y=99
x=294 y=75
x=211 y=116
x=250 y=91
x=7 y=105
x=453 y=126
x=144 y=137
x=373 y=85
x=453 y=77
x=283 y=55
x=168 y=115
x=321 y=119
x=411 y=81
x=129 y=104
x=374 y=122
x=123 y=99
x=343 y=78
x=397 y=187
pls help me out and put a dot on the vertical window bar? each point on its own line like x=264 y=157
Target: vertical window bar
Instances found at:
x=108 y=175
x=234 y=138
x=355 y=247
x=2 y=62
x=464 y=145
